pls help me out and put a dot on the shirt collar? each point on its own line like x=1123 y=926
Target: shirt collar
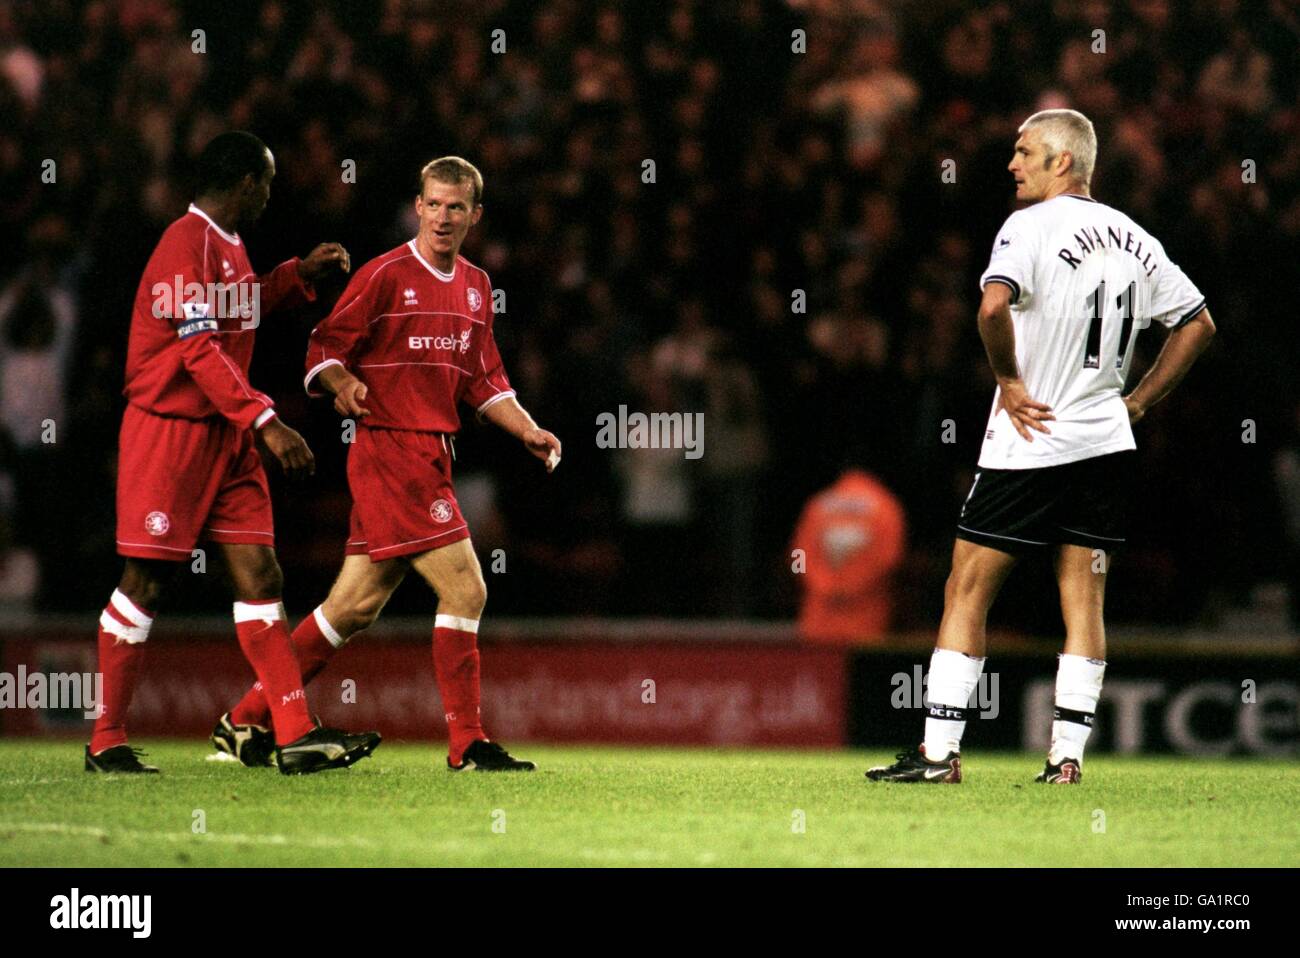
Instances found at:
x=228 y=237
x=445 y=277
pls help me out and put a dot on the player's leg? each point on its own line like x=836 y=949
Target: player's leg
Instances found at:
x=301 y=746
x=258 y=584
x=977 y=575
x=1081 y=577
x=358 y=595
x=454 y=574
x=1091 y=518
x=169 y=472
x=123 y=628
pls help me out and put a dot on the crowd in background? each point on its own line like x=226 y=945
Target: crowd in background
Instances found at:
x=799 y=262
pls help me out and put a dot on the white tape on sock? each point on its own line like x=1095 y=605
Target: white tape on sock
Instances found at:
x=129 y=610
x=130 y=634
x=331 y=634
x=457 y=623
x=259 y=611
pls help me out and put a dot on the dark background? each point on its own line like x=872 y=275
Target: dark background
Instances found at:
x=775 y=171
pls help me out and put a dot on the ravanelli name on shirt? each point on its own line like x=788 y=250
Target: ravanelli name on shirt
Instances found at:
x=1089 y=240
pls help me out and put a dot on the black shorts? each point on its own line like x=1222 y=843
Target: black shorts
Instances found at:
x=1082 y=503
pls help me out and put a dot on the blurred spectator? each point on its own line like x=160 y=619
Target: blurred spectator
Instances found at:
x=852 y=538
x=1286 y=473
x=801 y=267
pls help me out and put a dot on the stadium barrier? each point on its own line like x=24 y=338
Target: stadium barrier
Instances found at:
x=675 y=682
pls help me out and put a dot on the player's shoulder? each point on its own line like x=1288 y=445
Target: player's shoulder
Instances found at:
x=188 y=230
x=1024 y=222
x=381 y=263
x=474 y=275
x=1116 y=218
x=184 y=241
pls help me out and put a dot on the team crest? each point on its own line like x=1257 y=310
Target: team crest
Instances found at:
x=475 y=300
x=440 y=511
x=157 y=523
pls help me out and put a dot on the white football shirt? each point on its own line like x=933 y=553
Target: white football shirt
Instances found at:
x=1084 y=280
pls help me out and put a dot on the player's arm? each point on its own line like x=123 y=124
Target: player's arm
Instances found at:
x=1180 y=351
x=293 y=281
x=493 y=399
x=514 y=419
x=226 y=386
x=337 y=337
x=999 y=336
x=348 y=391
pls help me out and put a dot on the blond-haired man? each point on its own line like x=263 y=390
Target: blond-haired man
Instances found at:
x=409 y=339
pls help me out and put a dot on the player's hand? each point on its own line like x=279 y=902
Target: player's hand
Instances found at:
x=348 y=399
x=544 y=446
x=290 y=448
x=1135 y=410
x=321 y=260
x=1024 y=412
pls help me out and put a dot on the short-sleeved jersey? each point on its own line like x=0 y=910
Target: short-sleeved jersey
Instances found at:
x=194 y=320
x=1084 y=280
x=420 y=339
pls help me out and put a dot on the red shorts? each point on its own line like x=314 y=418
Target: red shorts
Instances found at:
x=182 y=480
x=402 y=499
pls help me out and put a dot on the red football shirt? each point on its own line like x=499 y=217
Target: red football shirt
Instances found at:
x=420 y=339
x=195 y=316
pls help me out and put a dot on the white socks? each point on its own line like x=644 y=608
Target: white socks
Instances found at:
x=953 y=677
x=1078 y=687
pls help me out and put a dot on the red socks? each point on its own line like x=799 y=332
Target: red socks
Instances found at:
x=314 y=642
x=455 y=662
x=123 y=628
x=264 y=637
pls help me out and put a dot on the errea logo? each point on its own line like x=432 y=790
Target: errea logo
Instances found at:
x=458 y=344
x=408 y=297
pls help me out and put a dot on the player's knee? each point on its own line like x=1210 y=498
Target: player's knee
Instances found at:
x=144 y=582
x=470 y=594
x=963 y=585
x=261 y=578
x=362 y=612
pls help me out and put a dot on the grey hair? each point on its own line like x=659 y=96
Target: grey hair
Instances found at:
x=1067 y=131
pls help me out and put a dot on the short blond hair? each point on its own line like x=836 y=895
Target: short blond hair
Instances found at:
x=1067 y=131
x=453 y=169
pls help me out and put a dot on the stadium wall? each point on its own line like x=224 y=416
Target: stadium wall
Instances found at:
x=681 y=683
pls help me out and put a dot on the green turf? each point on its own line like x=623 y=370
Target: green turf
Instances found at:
x=615 y=806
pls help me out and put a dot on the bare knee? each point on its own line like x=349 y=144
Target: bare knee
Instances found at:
x=355 y=613
x=963 y=584
x=144 y=581
x=256 y=575
x=465 y=595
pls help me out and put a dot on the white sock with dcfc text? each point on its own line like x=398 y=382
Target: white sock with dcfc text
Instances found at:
x=1078 y=688
x=953 y=677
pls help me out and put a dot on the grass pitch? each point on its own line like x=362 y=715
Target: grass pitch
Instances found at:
x=641 y=807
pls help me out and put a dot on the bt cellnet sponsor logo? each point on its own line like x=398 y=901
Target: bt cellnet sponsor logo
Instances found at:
x=454 y=343
x=57 y=690
x=657 y=430
x=76 y=911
